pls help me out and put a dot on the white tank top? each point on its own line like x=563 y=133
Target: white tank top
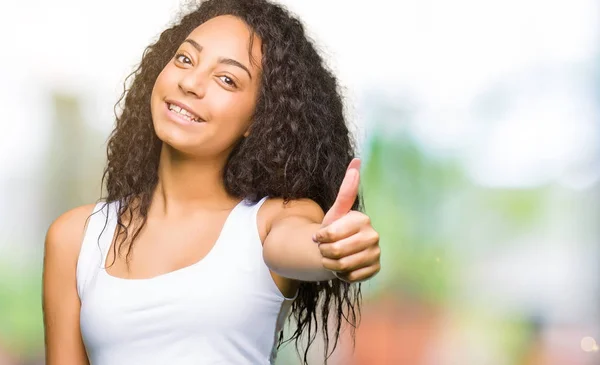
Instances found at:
x=224 y=309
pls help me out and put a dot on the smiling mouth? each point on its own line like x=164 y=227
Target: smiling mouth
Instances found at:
x=185 y=114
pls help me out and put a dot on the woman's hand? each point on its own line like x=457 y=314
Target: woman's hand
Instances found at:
x=348 y=243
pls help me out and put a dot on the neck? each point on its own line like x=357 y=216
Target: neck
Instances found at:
x=187 y=184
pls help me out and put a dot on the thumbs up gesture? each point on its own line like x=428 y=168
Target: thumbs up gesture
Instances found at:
x=348 y=243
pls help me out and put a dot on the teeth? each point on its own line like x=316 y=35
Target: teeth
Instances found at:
x=184 y=113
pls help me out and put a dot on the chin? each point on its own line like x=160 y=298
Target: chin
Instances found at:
x=176 y=137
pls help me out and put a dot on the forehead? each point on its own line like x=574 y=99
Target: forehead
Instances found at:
x=228 y=36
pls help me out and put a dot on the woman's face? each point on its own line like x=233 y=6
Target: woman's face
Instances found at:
x=203 y=100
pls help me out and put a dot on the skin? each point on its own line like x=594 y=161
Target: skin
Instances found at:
x=190 y=203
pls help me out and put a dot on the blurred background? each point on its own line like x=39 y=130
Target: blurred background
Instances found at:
x=478 y=125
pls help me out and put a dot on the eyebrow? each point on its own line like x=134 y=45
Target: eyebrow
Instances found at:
x=226 y=61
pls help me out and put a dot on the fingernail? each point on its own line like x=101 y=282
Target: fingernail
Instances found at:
x=314 y=238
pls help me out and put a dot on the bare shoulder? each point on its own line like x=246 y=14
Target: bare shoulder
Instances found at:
x=275 y=209
x=65 y=234
x=60 y=300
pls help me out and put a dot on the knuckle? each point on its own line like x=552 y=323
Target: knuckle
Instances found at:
x=377 y=251
x=343 y=265
x=366 y=220
x=371 y=236
x=375 y=236
x=352 y=277
x=336 y=250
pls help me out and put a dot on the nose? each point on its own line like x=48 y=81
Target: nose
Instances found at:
x=192 y=83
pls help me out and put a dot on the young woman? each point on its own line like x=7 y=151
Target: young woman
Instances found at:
x=232 y=199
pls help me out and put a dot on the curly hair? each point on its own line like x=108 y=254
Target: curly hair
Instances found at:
x=299 y=147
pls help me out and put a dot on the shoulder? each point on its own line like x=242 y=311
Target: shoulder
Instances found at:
x=274 y=210
x=66 y=233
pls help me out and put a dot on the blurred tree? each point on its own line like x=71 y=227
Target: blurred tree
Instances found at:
x=405 y=192
x=429 y=215
x=70 y=177
x=75 y=158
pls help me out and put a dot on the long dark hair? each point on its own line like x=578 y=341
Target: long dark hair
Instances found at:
x=299 y=147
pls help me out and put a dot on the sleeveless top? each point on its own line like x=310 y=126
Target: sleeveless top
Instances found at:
x=224 y=309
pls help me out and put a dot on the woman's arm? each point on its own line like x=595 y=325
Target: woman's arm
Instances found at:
x=349 y=248
x=61 y=305
x=288 y=248
x=305 y=244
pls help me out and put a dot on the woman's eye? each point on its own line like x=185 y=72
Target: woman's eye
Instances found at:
x=228 y=80
x=182 y=58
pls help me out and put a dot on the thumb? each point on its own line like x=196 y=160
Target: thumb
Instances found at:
x=346 y=195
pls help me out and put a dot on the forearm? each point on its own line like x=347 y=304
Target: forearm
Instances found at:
x=289 y=251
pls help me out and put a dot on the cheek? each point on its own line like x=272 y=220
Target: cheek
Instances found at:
x=163 y=82
x=157 y=93
x=232 y=111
